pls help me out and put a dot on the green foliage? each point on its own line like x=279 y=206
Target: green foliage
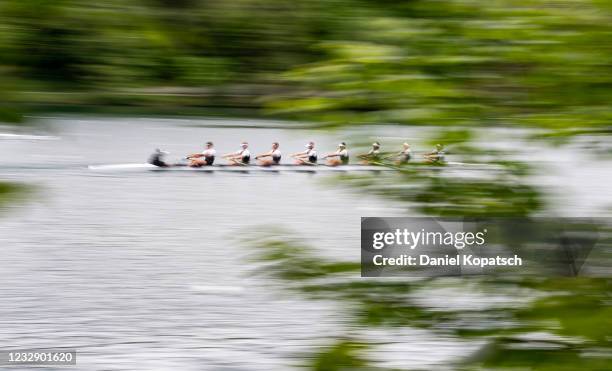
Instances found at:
x=464 y=62
x=83 y=43
x=450 y=137
x=343 y=355
x=114 y=47
x=580 y=308
x=461 y=197
x=10 y=115
x=448 y=62
x=565 y=327
x=443 y=196
x=10 y=192
x=287 y=260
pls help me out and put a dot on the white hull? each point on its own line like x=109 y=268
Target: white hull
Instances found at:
x=122 y=167
x=279 y=168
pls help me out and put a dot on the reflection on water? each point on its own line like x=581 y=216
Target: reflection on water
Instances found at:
x=142 y=270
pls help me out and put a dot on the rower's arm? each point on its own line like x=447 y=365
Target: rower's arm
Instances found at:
x=232 y=155
x=267 y=154
x=391 y=155
x=299 y=154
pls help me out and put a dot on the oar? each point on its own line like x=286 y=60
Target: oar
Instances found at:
x=303 y=160
x=235 y=161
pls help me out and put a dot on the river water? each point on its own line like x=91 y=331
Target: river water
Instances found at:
x=147 y=270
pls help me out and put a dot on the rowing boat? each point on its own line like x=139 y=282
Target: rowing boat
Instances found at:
x=240 y=169
x=280 y=168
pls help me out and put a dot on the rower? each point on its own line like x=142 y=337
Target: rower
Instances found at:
x=206 y=158
x=435 y=156
x=157 y=158
x=240 y=157
x=405 y=154
x=307 y=157
x=340 y=157
x=272 y=157
x=373 y=155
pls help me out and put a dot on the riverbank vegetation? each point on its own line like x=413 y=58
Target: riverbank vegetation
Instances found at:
x=450 y=62
x=10 y=192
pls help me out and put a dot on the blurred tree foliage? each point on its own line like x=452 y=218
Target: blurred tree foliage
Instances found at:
x=141 y=43
x=10 y=192
x=536 y=63
x=563 y=324
x=543 y=63
x=125 y=52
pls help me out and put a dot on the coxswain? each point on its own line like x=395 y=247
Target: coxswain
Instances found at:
x=157 y=158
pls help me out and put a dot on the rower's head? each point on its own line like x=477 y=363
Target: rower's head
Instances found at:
x=209 y=144
x=376 y=145
x=161 y=152
x=342 y=145
x=406 y=145
x=244 y=145
x=310 y=145
x=439 y=146
x=275 y=145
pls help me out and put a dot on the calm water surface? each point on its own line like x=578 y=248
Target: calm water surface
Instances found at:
x=146 y=271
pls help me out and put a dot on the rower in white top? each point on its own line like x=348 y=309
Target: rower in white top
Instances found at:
x=206 y=158
x=373 y=155
x=272 y=157
x=241 y=157
x=435 y=156
x=404 y=155
x=340 y=157
x=307 y=157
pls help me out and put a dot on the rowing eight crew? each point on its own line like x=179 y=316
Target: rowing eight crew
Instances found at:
x=242 y=157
